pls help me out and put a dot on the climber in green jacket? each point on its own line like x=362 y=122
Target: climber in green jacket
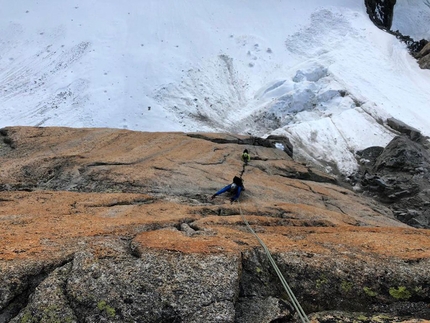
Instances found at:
x=246 y=157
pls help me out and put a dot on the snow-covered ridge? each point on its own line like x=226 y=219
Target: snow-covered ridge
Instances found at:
x=320 y=73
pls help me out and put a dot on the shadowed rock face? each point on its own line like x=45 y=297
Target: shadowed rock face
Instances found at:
x=103 y=225
x=399 y=175
x=381 y=12
x=423 y=56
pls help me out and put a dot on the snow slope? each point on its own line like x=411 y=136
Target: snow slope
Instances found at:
x=318 y=71
x=412 y=17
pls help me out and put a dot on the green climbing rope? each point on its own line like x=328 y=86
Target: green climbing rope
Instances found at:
x=287 y=288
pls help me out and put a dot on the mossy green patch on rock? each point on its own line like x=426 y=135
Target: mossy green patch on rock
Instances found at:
x=26 y=318
x=380 y=318
x=103 y=306
x=346 y=286
x=369 y=292
x=400 y=293
x=321 y=281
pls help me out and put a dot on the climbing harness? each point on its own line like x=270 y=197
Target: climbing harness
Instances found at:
x=287 y=288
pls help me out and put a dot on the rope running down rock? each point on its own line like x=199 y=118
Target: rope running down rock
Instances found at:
x=287 y=288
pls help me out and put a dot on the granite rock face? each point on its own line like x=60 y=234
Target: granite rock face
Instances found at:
x=103 y=225
x=399 y=175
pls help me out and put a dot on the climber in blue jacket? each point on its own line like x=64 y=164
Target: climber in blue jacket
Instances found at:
x=236 y=188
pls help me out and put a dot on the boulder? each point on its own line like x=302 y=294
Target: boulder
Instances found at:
x=423 y=57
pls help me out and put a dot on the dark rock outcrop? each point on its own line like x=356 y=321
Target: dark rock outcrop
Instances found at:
x=381 y=12
x=399 y=175
x=416 y=48
x=423 y=56
x=401 y=127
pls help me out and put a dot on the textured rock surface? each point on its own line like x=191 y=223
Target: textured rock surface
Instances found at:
x=399 y=175
x=423 y=57
x=102 y=225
